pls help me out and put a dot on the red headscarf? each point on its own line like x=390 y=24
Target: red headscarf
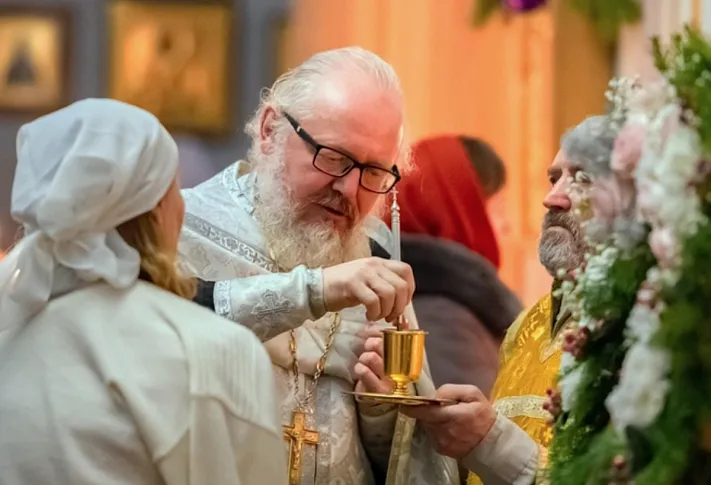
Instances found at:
x=442 y=197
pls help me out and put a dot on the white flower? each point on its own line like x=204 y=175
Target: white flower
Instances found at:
x=669 y=276
x=638 y=118
x=671 y=152
x=567 y=286
x=665 y=246
x=666 y=173
x=650 y=197
x=654 y=278
x=567 y=362
x=664 y=203
x=682 y=212
x=679 y=162
x=640 y=395
x=598 y=267
x=569 y=384
x=587 y=322
x=628 y=232
x=643 y=323
x=652 y=98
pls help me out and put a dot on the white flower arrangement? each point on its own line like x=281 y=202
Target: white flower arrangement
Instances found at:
x=665 y=172
x=653 y=166
x=632 y=398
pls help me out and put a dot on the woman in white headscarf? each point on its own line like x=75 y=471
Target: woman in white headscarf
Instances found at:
x=108 y=375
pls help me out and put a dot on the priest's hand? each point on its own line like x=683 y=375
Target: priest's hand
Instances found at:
x=369 y=370
x=455 y=430
x=384 y=287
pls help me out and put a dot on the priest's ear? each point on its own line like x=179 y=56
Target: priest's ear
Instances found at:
x=267 y=130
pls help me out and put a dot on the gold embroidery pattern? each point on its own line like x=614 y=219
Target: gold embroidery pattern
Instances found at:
x=528 y=406
x=529 y=364
x=508 y=345
x=541 y=476
x=556 y=345
x=536 y=323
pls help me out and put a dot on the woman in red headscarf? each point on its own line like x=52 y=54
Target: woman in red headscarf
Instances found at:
x=449 y=241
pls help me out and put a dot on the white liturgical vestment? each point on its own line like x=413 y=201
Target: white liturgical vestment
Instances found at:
x=222 y=242
x=135 y=387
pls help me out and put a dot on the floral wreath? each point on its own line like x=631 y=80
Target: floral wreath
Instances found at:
x=633 y=399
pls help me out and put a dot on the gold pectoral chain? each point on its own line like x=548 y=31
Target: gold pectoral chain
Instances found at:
x=320 y=365
x=297 y=433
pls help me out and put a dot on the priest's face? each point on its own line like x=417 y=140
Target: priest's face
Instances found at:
x=562 y=246
x=308 y=216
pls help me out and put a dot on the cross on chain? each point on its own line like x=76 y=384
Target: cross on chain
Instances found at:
x=297 y=435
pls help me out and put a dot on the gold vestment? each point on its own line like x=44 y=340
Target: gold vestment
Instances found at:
x=529 y=364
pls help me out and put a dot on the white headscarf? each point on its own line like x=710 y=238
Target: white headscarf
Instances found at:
x=81 y=172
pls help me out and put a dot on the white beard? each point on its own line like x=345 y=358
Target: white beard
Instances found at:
x=290 y=241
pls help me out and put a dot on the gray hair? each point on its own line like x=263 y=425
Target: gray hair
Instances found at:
x=589 y=145
x=297 y=89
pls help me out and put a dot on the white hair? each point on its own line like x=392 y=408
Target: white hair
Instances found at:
x=589 y=144
x=297 y=90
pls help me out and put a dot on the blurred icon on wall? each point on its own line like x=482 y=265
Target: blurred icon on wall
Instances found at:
x=173 y=59
x=34 y=58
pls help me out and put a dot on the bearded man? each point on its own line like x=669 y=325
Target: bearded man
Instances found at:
x=505 y=442
x=286 y=238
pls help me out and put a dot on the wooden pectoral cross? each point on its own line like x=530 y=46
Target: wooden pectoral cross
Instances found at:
x=297 y=435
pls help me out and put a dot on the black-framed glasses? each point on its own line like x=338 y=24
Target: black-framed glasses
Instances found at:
x=338 y=164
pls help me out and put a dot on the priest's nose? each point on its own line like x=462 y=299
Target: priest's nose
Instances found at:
x=557 y=198
x=348 y=186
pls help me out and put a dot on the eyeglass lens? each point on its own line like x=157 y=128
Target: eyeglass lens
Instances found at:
x=337 y=165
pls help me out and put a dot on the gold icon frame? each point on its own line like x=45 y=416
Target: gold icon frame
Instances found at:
x=36 y=45
x=174 y=59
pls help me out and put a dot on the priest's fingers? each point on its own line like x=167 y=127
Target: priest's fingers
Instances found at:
x=454 y=415
x=365 y=334
x=344 y=285
x=369 y=331
x=374 y=344
x=373 y=361
x=404 y=271
x=460 y=393
x=402 y=293
x=385 y=291
x=463 y=394
x=369 y=381
x=369 y=299
x=456 y=430
x=426 y=414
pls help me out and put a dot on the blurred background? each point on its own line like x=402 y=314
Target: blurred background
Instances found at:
x=517 y=81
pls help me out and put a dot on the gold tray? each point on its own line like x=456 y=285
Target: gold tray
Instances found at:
x=374 y=398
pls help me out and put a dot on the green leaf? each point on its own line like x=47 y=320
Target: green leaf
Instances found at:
x=641 y=448
x=483 y=10
x=608 y=16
